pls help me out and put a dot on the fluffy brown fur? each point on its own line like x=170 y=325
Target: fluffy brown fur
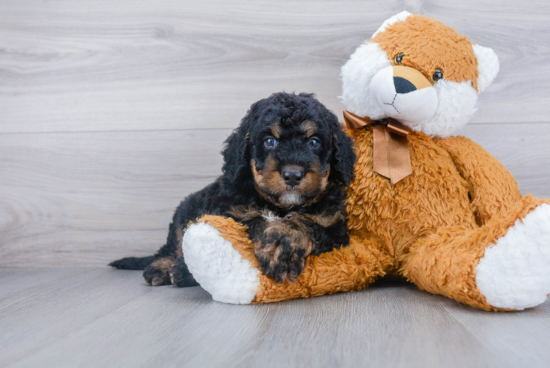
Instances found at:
x=424 y=40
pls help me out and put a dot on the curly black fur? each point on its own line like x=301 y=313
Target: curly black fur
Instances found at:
x=252 y=187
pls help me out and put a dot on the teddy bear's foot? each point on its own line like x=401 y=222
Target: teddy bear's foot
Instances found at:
x=515 y=272
x=218 y=267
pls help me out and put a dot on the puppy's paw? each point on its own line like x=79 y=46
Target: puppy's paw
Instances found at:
x=282 y=249
x=180 y=276
x=159 y=272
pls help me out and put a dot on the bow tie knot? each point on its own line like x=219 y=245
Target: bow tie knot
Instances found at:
x=391 y=156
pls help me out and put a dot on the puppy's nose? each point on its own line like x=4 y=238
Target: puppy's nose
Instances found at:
x=293 y=176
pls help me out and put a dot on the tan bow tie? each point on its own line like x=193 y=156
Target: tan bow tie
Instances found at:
x=391 y=156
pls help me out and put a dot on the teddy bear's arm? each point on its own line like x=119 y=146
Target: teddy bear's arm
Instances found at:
x=221 y=257
x=492 y=188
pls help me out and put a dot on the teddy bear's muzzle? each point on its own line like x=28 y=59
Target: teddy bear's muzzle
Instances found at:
x=404 y=94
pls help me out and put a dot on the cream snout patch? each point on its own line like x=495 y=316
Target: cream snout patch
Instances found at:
x=404 y=94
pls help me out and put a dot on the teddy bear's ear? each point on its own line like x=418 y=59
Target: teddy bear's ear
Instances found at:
x=487 y=66
x=388 y=22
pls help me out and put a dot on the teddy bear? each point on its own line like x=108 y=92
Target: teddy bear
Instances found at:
x=435 y=209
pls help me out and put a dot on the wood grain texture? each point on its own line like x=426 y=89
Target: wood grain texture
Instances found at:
x=525 y=347
x=84 y=198
x=88 y=198
x=110 y=318
x=148 y=65
x=31 y=319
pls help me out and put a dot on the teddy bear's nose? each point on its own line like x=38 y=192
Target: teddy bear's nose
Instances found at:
x=407 y=79
x=402 y=85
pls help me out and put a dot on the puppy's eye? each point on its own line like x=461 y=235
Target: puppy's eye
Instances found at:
x=438 y=74
x=399 y=58
x=270 y=142
x=314 y=143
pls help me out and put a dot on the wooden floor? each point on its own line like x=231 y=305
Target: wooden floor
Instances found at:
x=98 y=317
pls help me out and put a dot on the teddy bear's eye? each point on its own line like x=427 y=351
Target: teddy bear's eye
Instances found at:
x=438 y=74
x=399 y=58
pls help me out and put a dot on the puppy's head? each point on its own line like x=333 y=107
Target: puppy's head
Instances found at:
x=290 y=146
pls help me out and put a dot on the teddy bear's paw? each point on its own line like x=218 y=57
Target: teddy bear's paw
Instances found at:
x=515 y=272
x=218 y=267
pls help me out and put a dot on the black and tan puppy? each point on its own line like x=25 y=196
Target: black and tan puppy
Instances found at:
x=284 y=172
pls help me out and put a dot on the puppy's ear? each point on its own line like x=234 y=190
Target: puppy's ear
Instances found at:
x=236 y=153
x=343 y=157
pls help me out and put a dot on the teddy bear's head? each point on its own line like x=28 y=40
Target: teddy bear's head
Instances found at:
x=419 y=72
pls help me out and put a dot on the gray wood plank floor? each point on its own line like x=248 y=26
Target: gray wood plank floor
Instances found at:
x=109 y=318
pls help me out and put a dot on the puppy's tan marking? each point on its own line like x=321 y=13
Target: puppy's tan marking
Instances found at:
x=245 y=213
x=276 y=130
x=309 y=127
x=271 y=186
x=258 y=180
x=314 y=184
x=269 y=183
x=326 y=220
x=165 y=265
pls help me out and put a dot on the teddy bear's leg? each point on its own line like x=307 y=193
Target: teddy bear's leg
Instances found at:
x=503 y=265
x=216 y=264
x=221 y=257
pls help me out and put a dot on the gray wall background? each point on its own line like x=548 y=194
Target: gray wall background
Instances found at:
x=112 y=111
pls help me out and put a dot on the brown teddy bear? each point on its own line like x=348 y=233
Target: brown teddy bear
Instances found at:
x=437 y=210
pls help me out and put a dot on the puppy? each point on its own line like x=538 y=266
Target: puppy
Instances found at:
x=284 y=173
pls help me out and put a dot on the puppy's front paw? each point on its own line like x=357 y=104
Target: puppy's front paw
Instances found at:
x=159 y=272
x=282 y=249
x=181 y=277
